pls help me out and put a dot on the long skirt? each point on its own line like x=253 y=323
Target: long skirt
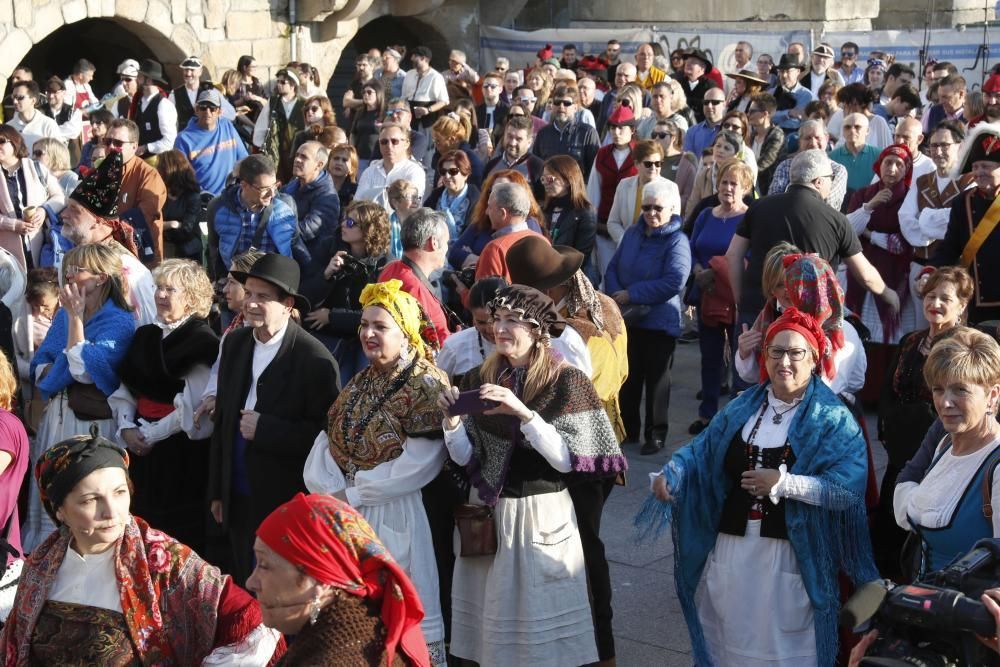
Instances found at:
x=527 y=604
x=752 y=604
x=58 y=423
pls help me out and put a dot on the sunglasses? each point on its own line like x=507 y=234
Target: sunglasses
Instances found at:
x=19 y=98
x=317 y=109
x=395 y=112
x=649 y=164
x=733 y=127
x=207 y=107
x=659 y=135
x=711 y=102
x=117 y=143
x=646 y=208
x=563 y=103
x=847 y=54
x=350 y=223
x=395 y=141
x=451 y=171
x=38 y=153
x=626 y=103
x=4 y=141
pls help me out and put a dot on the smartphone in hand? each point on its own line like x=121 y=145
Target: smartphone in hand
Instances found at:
x=469 y=403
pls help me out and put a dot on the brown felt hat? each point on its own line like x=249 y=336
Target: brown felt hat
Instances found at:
x=533 y=262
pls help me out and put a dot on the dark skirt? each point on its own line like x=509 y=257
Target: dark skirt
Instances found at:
x=78 y=635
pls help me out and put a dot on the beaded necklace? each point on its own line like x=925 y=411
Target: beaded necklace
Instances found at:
x=755 y=454
x=350 y=429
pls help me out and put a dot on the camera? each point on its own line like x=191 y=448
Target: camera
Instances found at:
x=466 y=277
x=934 y=621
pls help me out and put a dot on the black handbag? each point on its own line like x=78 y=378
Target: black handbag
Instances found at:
x=634 y=312
x=88 y=402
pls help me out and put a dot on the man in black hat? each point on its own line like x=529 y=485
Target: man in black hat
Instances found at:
x=424 y=88
x=70 y=120
x=276 y=384
x=155 y=115
x=185 y=97
x=973 y=237
x=791 y=96
x=695 y=83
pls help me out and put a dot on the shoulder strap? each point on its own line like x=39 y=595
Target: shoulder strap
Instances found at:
x=991 y=464
x=265 y=217
x=981 y=232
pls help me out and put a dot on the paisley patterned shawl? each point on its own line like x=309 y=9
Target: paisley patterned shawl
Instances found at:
x=169 y=595
x=411 y=411
x=569 y=404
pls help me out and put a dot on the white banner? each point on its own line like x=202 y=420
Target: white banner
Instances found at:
x=955 y=46
x=520 y=46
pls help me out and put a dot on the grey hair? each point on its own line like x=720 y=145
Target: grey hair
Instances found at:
x=502 y=61
x=457 y=55
x=660 y=189
x=513 y=197
x=423 y=225
x=6 y=274
x=813 y=124
x=809 y=165
x=322 y=152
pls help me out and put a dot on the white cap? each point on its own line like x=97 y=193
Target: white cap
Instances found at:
x=128 y=67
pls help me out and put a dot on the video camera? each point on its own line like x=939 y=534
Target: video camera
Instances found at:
x=932 y=622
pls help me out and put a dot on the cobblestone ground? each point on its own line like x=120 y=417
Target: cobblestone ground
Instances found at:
x=649 y=626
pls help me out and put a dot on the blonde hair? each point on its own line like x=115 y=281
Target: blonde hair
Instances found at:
x=773 y=274
x=965 y=355
x=8 y=383
x=678 y=100
x=57 y=152
x=543 y=369
x=451 y=130
x=191 y=279
x=743 y=172
x=102 y=259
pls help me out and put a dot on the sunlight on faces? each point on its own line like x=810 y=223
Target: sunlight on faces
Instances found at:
x=942 y=305
x=483 y=321
x=284 y=593
x=892 y=171
x=722 y=150
x=171 y=302
x=943 y=149
x=78 y=223
x=96 y=510
x=234 y=293
x=513 y=336
x=381 y=338
x=788 y=377
x=261 y=306
x=987 y=175
x=731 y=189
x=962 y=405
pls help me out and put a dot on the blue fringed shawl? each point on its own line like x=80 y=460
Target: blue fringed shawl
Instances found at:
x=828 y=445
x=108 y=334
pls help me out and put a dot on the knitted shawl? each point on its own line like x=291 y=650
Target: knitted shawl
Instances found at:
x=571 y=406
x=828 y=538
x=107 y=336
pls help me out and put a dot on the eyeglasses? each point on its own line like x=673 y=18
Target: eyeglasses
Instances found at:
x=733 y=127
x=38 y=153
x=264 y=190
x=451 y=171
x=350 y=223
x=117 y=143
x=650 y=164
x=711 y=102
x=659 y=135
x=207 y=107
x=646 y=208
x=71 y=271
x=394 y=112
x=316 y=109
x=794 y=353
x=19 y=98
x=847 y=54
x=395 y=141
x=563 y=103
x=491 y=85
x=942 y=146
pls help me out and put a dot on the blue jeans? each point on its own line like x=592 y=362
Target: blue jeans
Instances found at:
x=712 y=341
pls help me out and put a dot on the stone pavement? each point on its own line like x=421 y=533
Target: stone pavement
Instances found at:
x=649 y=626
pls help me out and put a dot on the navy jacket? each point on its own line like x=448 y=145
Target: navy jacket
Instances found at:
x=578 y=140
x=653 y=269
x=318 y=207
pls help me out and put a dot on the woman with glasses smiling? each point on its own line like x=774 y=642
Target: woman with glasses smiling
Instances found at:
x=319 y=116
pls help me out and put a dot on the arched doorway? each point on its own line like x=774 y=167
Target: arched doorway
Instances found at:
x=379 y=33
x=91 y=39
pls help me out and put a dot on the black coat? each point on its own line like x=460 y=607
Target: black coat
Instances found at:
x=294 y=394
x=576 y=228
x=342 y=292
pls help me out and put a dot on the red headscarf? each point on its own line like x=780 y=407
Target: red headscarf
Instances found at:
x=794 y=319
x=904 y=154
x=334 y=545
x=122 y=232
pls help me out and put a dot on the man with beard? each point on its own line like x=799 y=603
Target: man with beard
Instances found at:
x=991 y=100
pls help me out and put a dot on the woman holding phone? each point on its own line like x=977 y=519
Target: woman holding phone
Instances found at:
x=383 y=442
x=534 y=424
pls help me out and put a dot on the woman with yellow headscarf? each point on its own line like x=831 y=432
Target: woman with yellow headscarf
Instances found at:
x=383 y=441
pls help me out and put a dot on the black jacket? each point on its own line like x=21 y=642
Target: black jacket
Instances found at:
x=294 y=393
x=696 y=95
x=576 y=228
x=772 y=152
x=342 y=292
x=578 y=140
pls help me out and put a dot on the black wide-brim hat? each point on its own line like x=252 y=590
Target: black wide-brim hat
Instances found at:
x=700 y=55
x=533 y=262
x=282 y=272
x=153 y=70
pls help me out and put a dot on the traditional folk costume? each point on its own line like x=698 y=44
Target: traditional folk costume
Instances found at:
x=972 y=239
x=528 y=603
x=792 y=539
x=163 y=377
x=383 y=445
x=147 y=600
x=374 y=617
x=888 y=251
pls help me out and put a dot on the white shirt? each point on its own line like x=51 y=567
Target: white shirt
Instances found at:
x=427 y=87
x=374 y=180
x=263 y=355
x=461 y=352
x=72 y=128
x=166 y=116
x=88 y=580
x=72 y=88
x=920 y=227
x=40 y=126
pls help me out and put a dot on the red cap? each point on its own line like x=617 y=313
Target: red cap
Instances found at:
x=545 y=53
x=622 y=116
x=591 y=63
x=992 y=84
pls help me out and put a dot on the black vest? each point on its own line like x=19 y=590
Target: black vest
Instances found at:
x=149 y=123
x=737 y=505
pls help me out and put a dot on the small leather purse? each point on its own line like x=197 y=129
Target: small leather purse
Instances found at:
x=477 y=530
x=88 y=402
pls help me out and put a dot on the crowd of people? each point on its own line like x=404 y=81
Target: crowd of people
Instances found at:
x=295 y=380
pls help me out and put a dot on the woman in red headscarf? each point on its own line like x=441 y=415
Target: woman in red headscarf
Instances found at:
x=323 y=575
x=874 y=214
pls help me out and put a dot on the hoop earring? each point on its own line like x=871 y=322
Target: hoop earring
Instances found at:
x=314 y=609
x=404 y=356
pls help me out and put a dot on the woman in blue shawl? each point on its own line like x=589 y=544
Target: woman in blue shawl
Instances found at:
x=767 y=506
x=76 y=366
